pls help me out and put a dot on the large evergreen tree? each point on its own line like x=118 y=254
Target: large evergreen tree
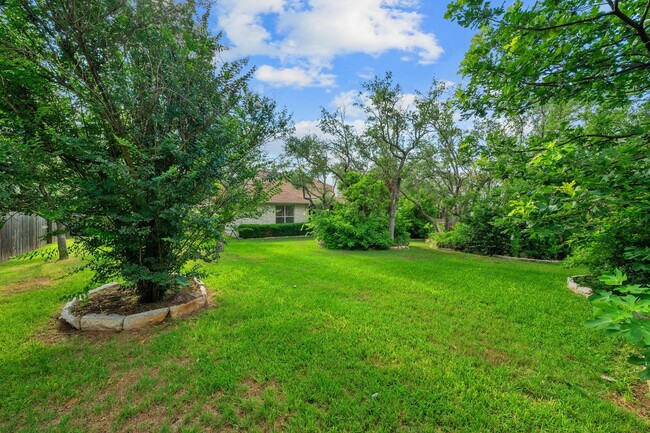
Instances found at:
x=161 y=142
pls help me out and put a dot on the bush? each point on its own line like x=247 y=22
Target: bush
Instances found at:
x=621 y=243
x=622 y=311
x=361 y=222
x=477 y=233
x=250 y=231
x=336 y=231
x=418 y=227
x=487 y=230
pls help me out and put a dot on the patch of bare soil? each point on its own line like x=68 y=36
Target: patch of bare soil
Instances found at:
x=25 y=286
x=639 y=404
x=494 y=356
x=112 y=397
x=124 y=301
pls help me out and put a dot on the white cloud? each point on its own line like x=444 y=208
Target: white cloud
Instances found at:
x=407 y=101
x=314 y=32
x=366 y=73
x=274 y=148
x=309 y=127
x=345 y=101
x=294 y=77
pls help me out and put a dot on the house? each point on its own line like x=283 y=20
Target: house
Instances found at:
x=289 y=205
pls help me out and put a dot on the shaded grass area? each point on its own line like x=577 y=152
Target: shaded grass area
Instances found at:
x=305 y=339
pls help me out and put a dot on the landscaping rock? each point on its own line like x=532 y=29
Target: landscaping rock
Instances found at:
x=102 y=322
x=104 y=287
x=187 y=308
x=577 y=288
x=66 y=314
x=142 y=320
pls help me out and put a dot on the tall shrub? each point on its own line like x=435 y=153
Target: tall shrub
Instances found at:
x=360 y=221
x=163 y=140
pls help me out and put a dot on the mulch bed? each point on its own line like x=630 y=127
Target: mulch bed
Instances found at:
x=125 y=301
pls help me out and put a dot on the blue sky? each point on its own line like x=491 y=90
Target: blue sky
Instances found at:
x=316 y=53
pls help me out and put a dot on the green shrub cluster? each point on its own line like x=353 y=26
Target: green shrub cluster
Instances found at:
x=487 y=230
x=417 y=225
x=361 y=220
x=250 y=231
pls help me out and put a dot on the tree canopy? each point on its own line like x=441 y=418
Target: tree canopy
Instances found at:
x=155 y=137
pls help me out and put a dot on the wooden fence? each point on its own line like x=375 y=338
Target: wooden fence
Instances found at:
x=21 y=234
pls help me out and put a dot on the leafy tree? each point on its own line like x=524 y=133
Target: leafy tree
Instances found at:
x=525 y=55
x=343 y=144
x=587 y=173
x=159 y=134
x=311 y=163
x=317 y=162
x=396 y=131
x=446 y=168
x=360 y=221
x=30 y=112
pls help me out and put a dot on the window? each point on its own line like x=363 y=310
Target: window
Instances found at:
x=283 y=214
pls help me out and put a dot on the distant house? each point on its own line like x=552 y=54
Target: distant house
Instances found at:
x=287 y=206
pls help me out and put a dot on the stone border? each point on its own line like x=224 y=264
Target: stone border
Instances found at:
x=498 y=256
x=116 y=322
x=526 y=259
x=399 y=247
x=577 y=288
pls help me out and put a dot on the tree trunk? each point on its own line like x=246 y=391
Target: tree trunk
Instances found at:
x=61 y=241
x=428 y=217
x=50 y=229
x=149 y=292
x=392 y=209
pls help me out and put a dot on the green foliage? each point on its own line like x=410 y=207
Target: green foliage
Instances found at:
x=530 y=53
x=486 y=229
x=477 y=233
x=157 y=145
x=572 y=84
x=624 y=311
x=417 y=225
x=361 y=220
x=251 y=231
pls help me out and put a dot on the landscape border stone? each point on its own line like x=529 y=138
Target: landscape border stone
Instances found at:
x=116 y=322
x=526 y=259
x=499 y=256
x=577 y=288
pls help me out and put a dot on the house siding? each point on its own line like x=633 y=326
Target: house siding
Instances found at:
x=300 y=213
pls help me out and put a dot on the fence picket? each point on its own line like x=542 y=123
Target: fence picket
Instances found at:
x=21 y=234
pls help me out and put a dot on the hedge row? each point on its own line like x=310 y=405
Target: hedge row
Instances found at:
x=250 y=231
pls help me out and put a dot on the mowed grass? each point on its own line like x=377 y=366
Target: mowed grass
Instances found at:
x=300 y=338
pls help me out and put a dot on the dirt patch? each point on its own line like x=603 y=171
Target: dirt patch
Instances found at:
x=364 y=296
x=495 y=357
x=114 y=396
x=150 y=419
x=639 y=403
x=26 y=286
x=251 y=388
x=125 y=301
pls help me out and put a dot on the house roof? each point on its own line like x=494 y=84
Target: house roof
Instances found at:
x=289 y=194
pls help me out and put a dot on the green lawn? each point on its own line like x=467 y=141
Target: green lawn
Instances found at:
x=305 y=339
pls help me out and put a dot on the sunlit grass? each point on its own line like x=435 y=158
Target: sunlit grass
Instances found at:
x=305 y=339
